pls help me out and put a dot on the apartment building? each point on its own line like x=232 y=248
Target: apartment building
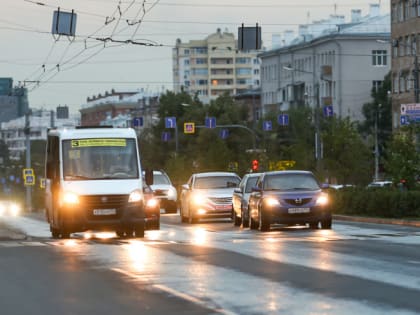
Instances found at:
x=330 y=63
x=214 y=66
x=405 y=41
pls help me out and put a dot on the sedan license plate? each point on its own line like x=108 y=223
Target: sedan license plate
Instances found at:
x=104 y=211
x=223 y=207
x=299 y=210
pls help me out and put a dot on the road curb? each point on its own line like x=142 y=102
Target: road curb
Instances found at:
x=377 y=220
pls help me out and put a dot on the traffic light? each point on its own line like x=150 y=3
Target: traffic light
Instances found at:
x=255 y=165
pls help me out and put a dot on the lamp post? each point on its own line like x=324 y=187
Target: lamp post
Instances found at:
x=377 y=113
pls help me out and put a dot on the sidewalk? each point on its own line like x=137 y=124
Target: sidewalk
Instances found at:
x=415 y=223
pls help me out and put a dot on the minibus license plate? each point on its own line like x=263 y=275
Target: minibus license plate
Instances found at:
x=299 y=210
x=104 y=211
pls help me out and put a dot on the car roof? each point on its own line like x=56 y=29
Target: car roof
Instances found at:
x=288 y=172
x=207 y=174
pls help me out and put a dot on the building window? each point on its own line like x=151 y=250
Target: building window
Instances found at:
x=201 y=61
x=379 y=58
x=186 y=51
x=186 y=62
x=406 y=9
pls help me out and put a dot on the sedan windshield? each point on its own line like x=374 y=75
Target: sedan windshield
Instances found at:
x=212 y=182
x=290 y=182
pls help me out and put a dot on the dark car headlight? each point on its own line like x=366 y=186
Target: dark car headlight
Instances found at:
x=271 y=202
x=322 y=200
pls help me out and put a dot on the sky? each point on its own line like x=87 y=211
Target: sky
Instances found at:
x=61 y=70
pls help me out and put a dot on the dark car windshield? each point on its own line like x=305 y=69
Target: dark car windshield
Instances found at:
x=290 y=182
x=212 y=182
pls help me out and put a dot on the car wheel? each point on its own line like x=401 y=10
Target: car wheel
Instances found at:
x=253 y=225
x=120 y=233
x=245 y=220
x=264 y=223
x=181 y=213
x=55 y=233
x=191 y=219
x=326 y=224
x=139 y=230
x=313 y=225
x=236 y=220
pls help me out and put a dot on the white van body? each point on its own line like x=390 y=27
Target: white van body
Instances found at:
x=93 y=181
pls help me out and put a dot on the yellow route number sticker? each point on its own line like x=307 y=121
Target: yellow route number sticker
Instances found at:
x=79 y=143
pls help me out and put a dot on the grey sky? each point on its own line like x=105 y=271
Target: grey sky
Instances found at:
x=89 y=67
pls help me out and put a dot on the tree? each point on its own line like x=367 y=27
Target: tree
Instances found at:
x=403 y=160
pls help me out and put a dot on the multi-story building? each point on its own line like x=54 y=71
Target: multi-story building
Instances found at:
x=120 y=108
x=13 y=100
x=214 y=66
x=405 y=41
x=14 y=135
x=330 y=63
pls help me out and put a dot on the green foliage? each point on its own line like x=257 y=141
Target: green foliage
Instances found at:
x=384 y=203
x=403 y=160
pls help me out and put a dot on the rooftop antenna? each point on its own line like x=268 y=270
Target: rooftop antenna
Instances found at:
x=335 y=8
x=308 y=17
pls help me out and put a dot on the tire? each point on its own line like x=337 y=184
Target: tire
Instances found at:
x=264 y=223
x=313 y=225
x=181 y=213
x=252 y=224
x=245 y=221
x=235 y=219
x=120 y=233
x=191 y=219
x=55 y=233
x=139 y=230
x=326 y=224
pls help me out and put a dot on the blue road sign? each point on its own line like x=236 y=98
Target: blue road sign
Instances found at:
x=404 y=121
x=224 y=133
x=210 y=122
x=170 y=122
x=166 y=136
x=267 y=125
x=138 y=121
x=328 y=111
x=283 y=119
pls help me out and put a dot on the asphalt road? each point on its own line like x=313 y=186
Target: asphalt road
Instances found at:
x=211 y=268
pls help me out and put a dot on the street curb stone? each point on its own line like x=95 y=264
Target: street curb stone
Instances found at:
x=377 y=220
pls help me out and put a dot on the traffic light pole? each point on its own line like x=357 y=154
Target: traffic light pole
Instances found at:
x=28 y=161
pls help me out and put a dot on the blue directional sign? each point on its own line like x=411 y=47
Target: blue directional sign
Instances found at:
x=3 y=180
x=328 y=111
x=224 y=133
x=210 y=122
x=170 y=122
x=283 y=119
x=267 y=125
x=404 y=121
x=138 y=121
x=166 y=136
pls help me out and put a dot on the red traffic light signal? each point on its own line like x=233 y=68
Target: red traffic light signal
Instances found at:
x=255 y=165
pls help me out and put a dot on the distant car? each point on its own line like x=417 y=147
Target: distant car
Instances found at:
x=164 y=191
x=9 y=208
x=380 y=184
x=208 y=195
x=338 y=186
x=289 y=197
x=240 y=199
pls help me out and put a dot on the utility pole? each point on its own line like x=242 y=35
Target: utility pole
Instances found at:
x=317 y=131
x=28 y=159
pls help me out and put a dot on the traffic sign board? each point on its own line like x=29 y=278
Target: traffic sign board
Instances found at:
x=138 y=121
x=328 y=111
x=267 y=125
x=170 y=122
x=29 y=180
x=410 y=109
x=210 y=122
x=224 y=133
x=166 y=136
x=283 y=119
x=28 y=171
x=189 y=127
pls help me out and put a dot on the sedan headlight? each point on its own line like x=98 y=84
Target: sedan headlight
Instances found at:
x=322 y=200
x=198 y=199
x=152 y=203
x=135 y=196
x=14 y=209
x=272 y=202
x=70 y=198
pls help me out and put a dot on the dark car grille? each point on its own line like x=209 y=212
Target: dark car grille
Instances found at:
x=227 y=200
x=298 y=201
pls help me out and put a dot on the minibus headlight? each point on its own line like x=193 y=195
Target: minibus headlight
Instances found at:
x=135 y=196
x=70 y=198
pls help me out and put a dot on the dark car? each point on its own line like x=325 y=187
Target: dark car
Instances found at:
x=240 y=199
x=289 y=197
